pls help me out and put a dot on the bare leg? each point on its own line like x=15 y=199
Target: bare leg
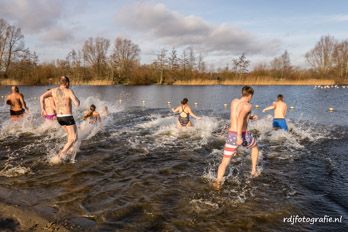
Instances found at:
x=72 y=138
x=254 y=158
x=221 y=172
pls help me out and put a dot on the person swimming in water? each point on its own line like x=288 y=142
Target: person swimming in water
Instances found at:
x=17 y=104
x=49 y=108
x=63 y=96
x=184 y=111
x=92 y=115
x=280 y=109
x=238 y=135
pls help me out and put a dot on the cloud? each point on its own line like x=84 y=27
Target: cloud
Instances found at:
x=32 y=15
x=175 y=29
x=58 y=34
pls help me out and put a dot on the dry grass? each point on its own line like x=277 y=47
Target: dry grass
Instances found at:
x=256 y=82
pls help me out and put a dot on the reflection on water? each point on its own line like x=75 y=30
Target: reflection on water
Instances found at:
x=137 y=172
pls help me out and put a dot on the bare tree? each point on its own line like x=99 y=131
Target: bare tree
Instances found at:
x=201 y=64
x=161 y=63
x=124 y=57
x=240 y=65
x=321 y=56
x=340 y=59
x=281 y=65
x=95 y=54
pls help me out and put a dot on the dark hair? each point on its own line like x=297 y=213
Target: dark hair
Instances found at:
x=92 y=107
x=247 y=91
x=64 y=80
x=16 y=89
x=280 y=97
x=184 y=101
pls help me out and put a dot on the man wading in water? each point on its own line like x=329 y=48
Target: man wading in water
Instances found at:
x=17 y=103
x=238 y=134
x=280 y=109
x=62 y=97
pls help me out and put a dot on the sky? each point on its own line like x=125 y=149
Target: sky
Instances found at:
x=219 y=30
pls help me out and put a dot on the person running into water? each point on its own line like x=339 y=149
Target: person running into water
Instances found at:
x=49 y=108
x=184 y=111
x=17 y=104
x=92 y=115
x=238 y=134
x=62 y=98
x=280 y=109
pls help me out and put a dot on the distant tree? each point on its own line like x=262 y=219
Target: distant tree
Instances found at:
x=95 y=54
x=161 y=64
x=124 y=58
x=340 y=59
x=281 y=65
x=241 y=65
x=321 y=56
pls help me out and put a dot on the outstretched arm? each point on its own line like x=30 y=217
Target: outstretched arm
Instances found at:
x=193 y=115
x=42 y=101
x=269 y=108
x=177 y=109
x=75 y=100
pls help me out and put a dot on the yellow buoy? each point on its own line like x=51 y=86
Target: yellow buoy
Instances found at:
x=331 y=109
x=257 y=106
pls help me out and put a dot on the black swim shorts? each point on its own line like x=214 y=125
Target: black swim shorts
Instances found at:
x=17 y=113
x=66 y=120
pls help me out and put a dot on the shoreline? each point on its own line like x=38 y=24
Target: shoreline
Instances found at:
x=253 y=82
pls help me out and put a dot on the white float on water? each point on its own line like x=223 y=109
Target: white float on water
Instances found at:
x=257 y=106
x=168 y=103
x=292 y=107
x=331 y=109
x=225 y=106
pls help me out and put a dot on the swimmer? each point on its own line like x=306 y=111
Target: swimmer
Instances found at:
x=280 y=109
x=92 y=115
x=184 y=111
x=17 y=104
x=62 y=98
x=238 y=134
x=49 y=108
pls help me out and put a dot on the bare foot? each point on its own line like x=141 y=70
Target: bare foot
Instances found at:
x=55 y=160
x=255 y=174
x=217 y=185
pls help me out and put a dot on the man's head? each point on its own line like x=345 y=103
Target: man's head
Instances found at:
x=280 y=97
x=64 y=80
x=247 y=92
x=92 y=107
x=14 y=89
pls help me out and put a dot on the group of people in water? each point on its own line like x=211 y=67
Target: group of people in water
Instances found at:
x=56 y=104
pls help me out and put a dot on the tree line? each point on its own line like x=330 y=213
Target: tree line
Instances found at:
x=118 y=62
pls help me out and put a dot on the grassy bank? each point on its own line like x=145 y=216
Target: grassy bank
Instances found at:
x=257 y=82
x=249 y=81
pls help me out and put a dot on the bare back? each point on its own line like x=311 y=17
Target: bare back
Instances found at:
x=49 y=106
x=280 y=109
x=62 y=100
x=15 y=101
x=236 y=107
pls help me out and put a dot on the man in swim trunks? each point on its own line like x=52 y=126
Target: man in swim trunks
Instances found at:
x=280 y=109
x=92 y=115
x=17 y=103
x=184 y=111
x=62 y=98
x=49 y=108
x=238 y=134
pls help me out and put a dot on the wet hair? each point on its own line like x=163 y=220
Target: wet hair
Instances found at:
x=15 y=88
x=184 y=101
x=247 y=91
x=92 y=107
x=64 y=80
x=280 y=97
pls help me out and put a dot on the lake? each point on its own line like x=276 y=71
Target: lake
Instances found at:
x=137 y=172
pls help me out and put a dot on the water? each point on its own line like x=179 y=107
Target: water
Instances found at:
x=137 y=172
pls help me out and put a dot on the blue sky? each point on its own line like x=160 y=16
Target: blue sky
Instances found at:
x=220 y=30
